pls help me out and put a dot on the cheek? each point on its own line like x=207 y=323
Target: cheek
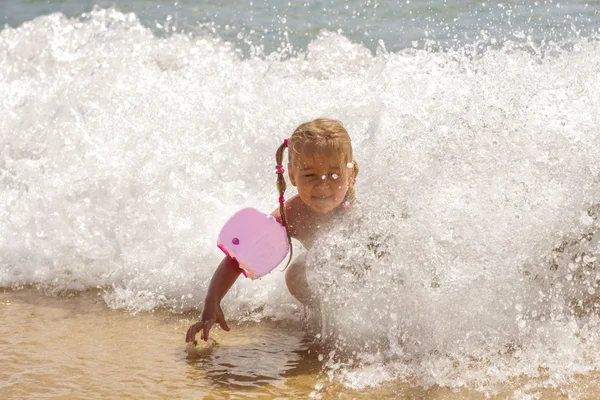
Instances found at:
x=340 y=190
x=342 y=184
x=305 y=187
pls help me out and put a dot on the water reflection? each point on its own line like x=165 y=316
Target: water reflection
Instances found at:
x=255 y=357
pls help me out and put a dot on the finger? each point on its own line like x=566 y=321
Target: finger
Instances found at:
x=206 y=329
x=221 y=320
x=191 y=333
x=223 y=323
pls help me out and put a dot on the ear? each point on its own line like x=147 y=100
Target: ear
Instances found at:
x=291 y=174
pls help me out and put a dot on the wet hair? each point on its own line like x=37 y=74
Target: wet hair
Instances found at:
x=326 y=135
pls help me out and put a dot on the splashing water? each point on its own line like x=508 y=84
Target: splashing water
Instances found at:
x=472 y=259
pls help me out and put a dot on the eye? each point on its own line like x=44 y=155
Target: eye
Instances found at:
x=335 y=176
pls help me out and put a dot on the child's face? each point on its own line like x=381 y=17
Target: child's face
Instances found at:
x=321 y=178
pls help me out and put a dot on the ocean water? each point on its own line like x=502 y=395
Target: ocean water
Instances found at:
x=131 y=131
x=289 y=27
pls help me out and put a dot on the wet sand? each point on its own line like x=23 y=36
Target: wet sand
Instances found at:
x=71 y=346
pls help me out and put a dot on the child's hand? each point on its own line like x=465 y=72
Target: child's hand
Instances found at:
x=211 y=313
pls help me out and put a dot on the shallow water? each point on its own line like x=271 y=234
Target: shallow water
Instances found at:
x=73 y=346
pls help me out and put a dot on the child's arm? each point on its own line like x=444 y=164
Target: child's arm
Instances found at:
x=224 y=277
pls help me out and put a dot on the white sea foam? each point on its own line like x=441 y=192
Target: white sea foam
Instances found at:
x=123 y=153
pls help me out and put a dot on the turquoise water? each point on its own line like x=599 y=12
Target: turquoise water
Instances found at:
x=399 y=24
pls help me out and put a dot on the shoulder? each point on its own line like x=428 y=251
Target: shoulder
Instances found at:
x=294 y=211
x=291 y=205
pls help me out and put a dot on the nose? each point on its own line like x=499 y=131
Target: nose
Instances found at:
x=323 y=182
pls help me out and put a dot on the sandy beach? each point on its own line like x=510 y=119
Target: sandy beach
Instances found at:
x=71 y=346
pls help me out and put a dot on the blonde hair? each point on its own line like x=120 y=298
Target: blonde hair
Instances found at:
x=325 y=135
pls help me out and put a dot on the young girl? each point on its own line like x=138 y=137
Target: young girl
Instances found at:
x=323 y=170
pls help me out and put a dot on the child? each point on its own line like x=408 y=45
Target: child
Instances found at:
x=323 y=170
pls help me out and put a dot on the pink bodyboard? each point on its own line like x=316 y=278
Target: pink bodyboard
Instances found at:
x=256 y=240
